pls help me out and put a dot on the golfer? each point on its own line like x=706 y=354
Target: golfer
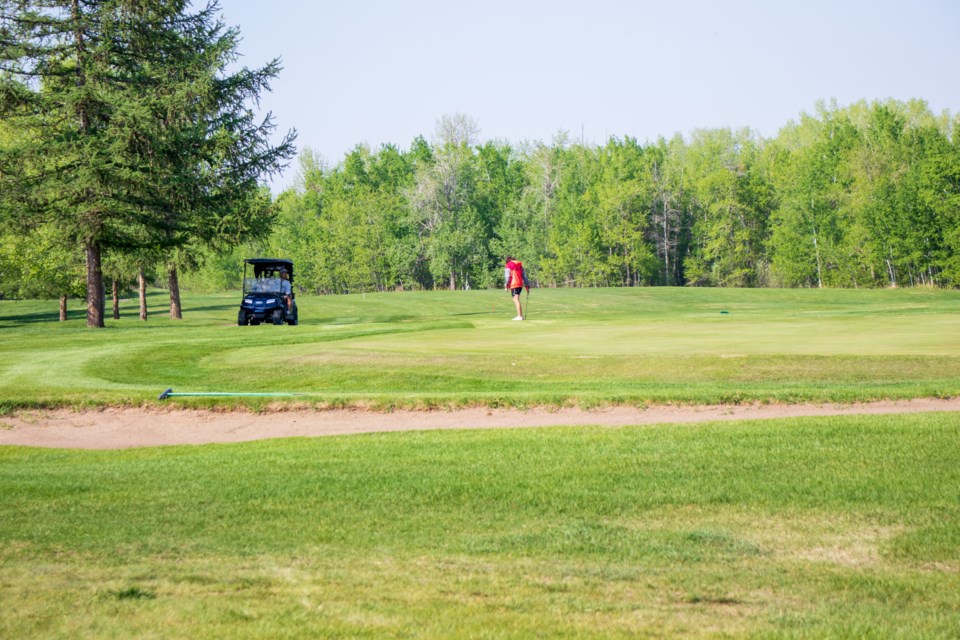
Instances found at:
x=514 y=281
x=285 y=290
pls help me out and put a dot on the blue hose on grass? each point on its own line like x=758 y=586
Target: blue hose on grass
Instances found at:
x=169 y=393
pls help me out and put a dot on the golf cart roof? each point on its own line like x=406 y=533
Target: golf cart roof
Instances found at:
x=266 y=262
x=269 y=265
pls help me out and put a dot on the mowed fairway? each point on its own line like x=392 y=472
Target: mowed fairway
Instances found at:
x=579 y=346
x=833 y=527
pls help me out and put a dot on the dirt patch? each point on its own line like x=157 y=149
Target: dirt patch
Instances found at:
x=134 y=427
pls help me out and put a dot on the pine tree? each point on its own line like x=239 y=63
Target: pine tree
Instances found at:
x=132 y=134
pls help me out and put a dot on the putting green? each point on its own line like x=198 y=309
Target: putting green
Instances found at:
x=723 y=335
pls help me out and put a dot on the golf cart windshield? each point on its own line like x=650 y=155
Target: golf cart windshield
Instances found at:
x=266 y=284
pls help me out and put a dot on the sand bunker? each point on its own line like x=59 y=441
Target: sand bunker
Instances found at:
x=120 y=428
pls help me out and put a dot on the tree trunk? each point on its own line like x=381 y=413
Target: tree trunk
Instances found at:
x=816 y=250
x=116 y=300
x=63 y=308
x=666 y=245
x=453 y=281
x=174 y=283
x=95 y=295
x=142 y=286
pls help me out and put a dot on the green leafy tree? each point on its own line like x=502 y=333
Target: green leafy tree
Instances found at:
x=392 y=174
x=933 y=178
x=450 y=226
x=295 y=233
x=877 y=233
x=733 y=201
x=669 y=226
x=574 y=253
x=622 y=195
x=807 y=227
x=44 y=267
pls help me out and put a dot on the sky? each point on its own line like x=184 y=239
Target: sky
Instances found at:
x=380 y=72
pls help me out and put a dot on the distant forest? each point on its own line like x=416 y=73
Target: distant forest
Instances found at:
x=866 y=195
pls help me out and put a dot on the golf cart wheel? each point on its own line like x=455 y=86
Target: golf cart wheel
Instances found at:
x=242 y=318
x=277 y=317
x=294 y=319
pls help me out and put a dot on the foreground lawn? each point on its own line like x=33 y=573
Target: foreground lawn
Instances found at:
x=842 y=527
x=579 y=346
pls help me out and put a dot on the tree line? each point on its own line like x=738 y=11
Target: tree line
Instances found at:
x=866 y=195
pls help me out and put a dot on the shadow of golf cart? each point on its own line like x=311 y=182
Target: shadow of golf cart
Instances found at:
x=267 y=294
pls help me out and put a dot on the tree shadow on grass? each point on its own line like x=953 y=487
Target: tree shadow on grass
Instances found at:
x=212 y=307
x=12 y=319
x=359 y=319
x=36 y=317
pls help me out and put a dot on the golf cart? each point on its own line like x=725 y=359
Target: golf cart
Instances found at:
x=265 y=294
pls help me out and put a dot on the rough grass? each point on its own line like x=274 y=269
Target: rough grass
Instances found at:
x=586 y=347
x=840 y=527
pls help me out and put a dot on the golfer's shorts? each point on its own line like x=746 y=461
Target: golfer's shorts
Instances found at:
x=517 y=291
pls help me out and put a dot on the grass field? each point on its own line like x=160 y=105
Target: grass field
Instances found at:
x=579 y=346
x=844 y=527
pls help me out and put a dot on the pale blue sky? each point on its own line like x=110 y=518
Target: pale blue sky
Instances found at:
x=380 y=72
